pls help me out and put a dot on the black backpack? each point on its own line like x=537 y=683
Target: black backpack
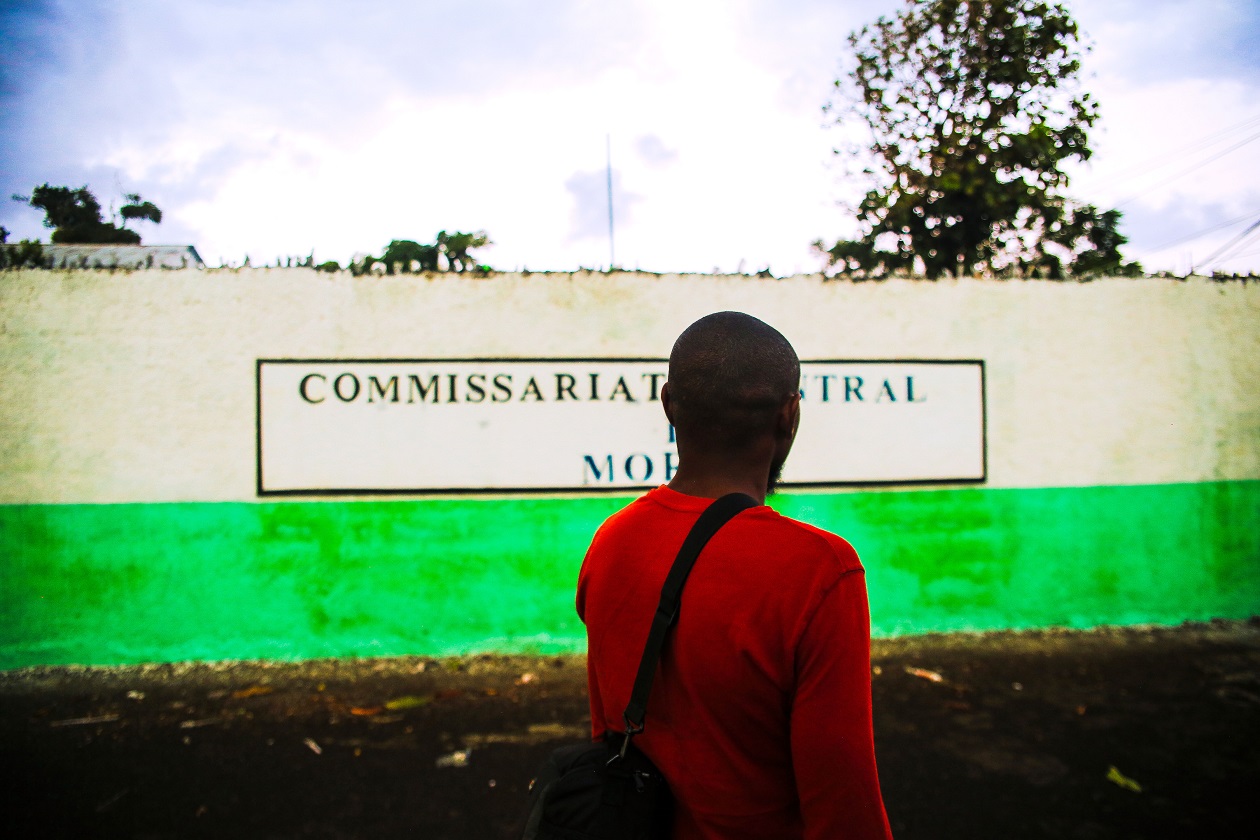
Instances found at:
x=610 y=790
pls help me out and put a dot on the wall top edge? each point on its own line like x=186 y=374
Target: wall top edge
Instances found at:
x=584 y=274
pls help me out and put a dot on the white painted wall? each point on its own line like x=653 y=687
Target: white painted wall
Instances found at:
x=140 y=387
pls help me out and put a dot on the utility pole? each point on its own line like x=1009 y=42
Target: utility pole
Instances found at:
x=612 y=258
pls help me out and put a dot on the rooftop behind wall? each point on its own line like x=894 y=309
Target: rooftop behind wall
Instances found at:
x=116 y=256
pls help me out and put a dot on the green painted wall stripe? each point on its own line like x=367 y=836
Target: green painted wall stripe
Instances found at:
x=108 y=584
x=979 y=559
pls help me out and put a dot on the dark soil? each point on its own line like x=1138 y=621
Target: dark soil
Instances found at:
x=1016 y=739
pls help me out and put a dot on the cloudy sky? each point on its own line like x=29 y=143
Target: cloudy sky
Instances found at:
x=274 y=127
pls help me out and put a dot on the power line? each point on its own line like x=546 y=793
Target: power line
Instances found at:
x=1244 y=254
x=1217 y=254
x=1193 y=236
x=1188 y=170
x=1145 y=167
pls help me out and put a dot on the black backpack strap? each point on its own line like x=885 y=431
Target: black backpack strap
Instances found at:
x=714 y=517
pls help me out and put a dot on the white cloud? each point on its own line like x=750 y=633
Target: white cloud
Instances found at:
x=590 y=192
x=653 y=150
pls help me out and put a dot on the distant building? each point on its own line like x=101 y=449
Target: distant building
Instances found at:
x=119 y=256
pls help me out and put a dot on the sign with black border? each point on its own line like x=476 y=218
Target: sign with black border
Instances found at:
x=327 y=427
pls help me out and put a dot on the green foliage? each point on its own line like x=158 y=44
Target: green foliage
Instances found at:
x=457 y=245
x=4 y=234
x=29 y=253
x=330 y=266
x=404 y=252
x=406 y=255
x=972 y=108
x=1089 y=238
x=138 y=208
x=75 y=216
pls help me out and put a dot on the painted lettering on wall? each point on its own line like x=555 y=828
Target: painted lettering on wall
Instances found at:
x=493 y=425
x=495 y=387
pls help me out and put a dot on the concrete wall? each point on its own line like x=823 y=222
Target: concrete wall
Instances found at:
x=1123 y=453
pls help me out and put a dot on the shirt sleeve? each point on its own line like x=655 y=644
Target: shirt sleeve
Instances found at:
x=592 y=682
x=833 y=743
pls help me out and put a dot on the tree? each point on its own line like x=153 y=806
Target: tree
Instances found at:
x=26 y=254
x=972 y=108
x=404 y=252
x=457 y=245
x=75 y=216
x=138 y=208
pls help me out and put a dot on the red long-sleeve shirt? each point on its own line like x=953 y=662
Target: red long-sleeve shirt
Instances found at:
x=760 y=715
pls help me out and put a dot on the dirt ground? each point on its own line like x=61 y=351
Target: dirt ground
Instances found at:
x=1116 y=733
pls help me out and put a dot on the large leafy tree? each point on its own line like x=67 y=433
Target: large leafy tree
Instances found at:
x=971 y=108
x=75 y=216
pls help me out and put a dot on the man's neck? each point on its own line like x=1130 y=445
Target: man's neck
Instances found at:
x=714 y=483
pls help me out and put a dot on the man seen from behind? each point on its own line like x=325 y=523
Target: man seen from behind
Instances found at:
x=760 y=713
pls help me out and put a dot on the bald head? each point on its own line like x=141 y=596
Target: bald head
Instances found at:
x=729 y=373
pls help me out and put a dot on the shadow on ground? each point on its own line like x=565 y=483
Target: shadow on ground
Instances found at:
x=1124 y=733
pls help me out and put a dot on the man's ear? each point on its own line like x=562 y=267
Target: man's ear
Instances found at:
x=788 y=418
x=667 y=403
